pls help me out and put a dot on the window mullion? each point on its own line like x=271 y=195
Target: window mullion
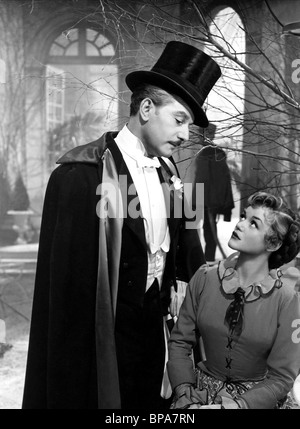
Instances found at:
x=82 y=42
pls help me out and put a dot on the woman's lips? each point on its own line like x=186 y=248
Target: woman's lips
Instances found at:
x=234 y=235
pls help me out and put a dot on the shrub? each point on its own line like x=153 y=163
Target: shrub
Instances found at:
x=20 y=199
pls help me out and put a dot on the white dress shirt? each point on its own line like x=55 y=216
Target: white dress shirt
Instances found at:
x=153 y=206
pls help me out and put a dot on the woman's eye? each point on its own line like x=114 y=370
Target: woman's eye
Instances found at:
x=179 y=121
x=252 y=223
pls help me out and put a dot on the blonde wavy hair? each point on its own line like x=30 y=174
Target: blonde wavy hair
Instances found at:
x=284 y=227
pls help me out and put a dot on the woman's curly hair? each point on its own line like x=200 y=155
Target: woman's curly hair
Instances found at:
x=284 y=227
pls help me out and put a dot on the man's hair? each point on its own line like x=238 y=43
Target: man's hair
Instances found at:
x=159 y=97
x=284 y=227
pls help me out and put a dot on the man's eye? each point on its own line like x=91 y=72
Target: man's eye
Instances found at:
x=179 y=121
x=243 y=216
x=253 y=223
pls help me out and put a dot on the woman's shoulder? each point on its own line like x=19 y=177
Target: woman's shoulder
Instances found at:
x=204 y=275
x=289 y=278
x=207 y=270
x=288 y=293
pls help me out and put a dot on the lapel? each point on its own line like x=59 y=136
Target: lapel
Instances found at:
x=165 y=175
x=92 y=153
x=136 y=225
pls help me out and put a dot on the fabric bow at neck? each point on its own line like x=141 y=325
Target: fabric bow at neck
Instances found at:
x=235 y=313
x=146 y=162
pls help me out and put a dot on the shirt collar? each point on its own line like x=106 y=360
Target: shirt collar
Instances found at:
x=131 y=144
x=230 y=280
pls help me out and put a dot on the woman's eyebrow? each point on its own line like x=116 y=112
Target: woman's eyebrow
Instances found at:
x=257 y=218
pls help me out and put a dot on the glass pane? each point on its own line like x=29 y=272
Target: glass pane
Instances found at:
x=91 y=34
x=62 y=40
x=108 y=51
x=72 y=34
x=72 y=49
x=91 y=50
x=101 y=40
x=56 y=50
x=59 y=97
x=58 y=112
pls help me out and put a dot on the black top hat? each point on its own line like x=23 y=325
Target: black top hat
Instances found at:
x=182 y=70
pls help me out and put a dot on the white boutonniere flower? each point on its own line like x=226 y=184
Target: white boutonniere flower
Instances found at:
x=177 y=185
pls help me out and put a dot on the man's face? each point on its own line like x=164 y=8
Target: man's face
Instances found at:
x=166 y=128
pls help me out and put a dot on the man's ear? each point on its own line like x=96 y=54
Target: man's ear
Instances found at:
x=146 y=108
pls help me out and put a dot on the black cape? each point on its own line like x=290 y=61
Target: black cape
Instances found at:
x=68 y=366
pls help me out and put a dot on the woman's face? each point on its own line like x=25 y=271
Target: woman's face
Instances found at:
x=249 y=233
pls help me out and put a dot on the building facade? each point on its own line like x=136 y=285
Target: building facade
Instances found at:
x=62 y=69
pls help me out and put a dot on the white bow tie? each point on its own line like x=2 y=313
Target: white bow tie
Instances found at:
x=145 y=161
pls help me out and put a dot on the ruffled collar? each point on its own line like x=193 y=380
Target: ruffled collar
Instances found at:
x=230 y=280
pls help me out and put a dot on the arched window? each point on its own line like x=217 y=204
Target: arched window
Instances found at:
x=226 y=100
x=81 y=45
x=81 y=89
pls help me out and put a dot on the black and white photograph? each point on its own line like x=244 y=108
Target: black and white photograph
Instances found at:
x=149 y=207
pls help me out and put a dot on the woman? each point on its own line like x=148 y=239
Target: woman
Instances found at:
x=246 y=311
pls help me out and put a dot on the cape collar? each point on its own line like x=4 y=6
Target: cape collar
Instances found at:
x=230 y=280
x=91 y=152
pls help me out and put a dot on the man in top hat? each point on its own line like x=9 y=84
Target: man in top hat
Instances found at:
x=111 y=247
